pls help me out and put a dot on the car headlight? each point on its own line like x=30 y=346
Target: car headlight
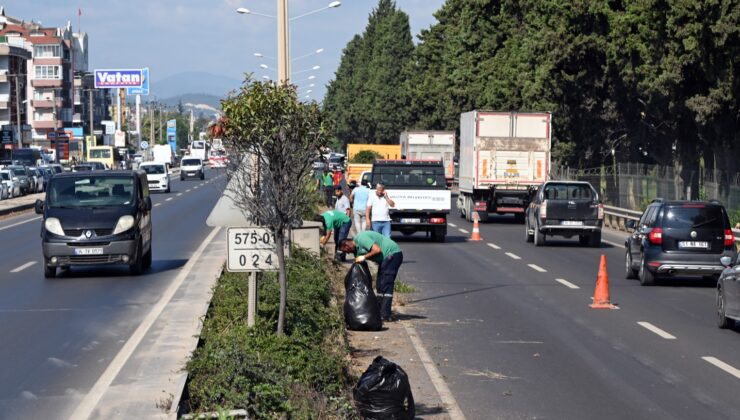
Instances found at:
x=124 y=223
x=52 y=225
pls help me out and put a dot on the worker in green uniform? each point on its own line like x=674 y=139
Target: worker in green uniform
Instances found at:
x=328 y=182
x=339 y=223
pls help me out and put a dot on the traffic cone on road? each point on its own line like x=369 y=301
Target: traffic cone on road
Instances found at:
x=475 y=236
x=601 y=293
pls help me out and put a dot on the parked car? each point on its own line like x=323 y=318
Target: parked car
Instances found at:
x=119 y=233
x=98 y=166
x=157 y=175
x=11 y=182
x=4 y=191
x=728 y=293
x=565 y=208
x=39 y=177
x=21 y=174
x=57 y=168
x=191 y=167
x=679 y=238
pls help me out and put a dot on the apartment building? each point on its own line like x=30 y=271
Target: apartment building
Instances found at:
x=14 y=55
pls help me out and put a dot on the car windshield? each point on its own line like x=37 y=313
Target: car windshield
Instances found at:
x=5 y=176
x=82 y=168
x=100 y=154
x=153 y=169
x=694 y=216
x=191 y=162
x=406 y=176
x=91 y=191
x=568 y=192
x=19 y=172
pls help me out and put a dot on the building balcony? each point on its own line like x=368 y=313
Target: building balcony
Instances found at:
x=45 y=125
x=47 y=61
x=4 y=77
x=41 y=83
x=4 y=101
x=47 y=103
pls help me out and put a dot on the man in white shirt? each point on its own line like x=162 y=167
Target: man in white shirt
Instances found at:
x=377 y=212
x=342 y=204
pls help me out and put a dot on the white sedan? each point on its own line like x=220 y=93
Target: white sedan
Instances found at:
x=157 y=175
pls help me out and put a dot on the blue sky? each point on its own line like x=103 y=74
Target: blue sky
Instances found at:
x=173 y=36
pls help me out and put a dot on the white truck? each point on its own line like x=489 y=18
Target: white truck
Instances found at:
x=504 y=157
x=431 y=145
x=163 y=154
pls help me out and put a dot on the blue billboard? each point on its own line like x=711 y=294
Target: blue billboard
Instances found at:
x=114 y=79
x=172 y=135
x=144 y=89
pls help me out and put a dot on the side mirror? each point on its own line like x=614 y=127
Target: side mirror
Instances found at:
x=726 y=261
x=148 y=203
x=39 y=207
x=631 y=224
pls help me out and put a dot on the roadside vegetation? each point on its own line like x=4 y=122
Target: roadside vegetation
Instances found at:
x=303 y=373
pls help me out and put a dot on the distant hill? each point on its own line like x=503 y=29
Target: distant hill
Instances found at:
x=194 y=82
x=197 y=101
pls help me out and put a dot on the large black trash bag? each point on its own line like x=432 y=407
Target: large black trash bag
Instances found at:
x=361 y=310
x=384 y=392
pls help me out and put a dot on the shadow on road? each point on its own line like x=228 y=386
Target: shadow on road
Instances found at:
x=465 y=292
x=97 y=271
x=424 y=239
x=572 y=243
x=426 y=410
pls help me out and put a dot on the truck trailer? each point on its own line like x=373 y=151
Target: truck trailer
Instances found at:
x=504 y=157
x=431 y=145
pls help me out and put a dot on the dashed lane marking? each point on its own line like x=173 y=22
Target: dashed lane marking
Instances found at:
x=463 y=230
x=188 y=190
x=567 y=284
x=452 y=224
x=179 y=194
x=536 y=267
x=722 y=365
x=169 y=199
x=513 y=256
x=614 y=244
x=158 y=204
x=20 y=223
x=652 y=328
x=494 y=246
x=23 y=267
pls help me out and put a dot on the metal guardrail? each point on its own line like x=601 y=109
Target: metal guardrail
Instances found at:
x=616 y=218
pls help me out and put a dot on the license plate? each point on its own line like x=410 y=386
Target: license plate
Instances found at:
x=88 y=251
x=572 y=223
x=693 y=244
x=410 y=220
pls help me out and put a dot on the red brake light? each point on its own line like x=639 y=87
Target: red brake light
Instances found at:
x=437 y=220
x=543 y=210
x=729 y=237
x=656 y=236
x=601 y=212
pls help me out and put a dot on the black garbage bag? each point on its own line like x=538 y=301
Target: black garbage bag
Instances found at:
x=384 y=392
x=361 y=310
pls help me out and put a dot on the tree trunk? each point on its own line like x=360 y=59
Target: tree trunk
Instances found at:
x=279 y=237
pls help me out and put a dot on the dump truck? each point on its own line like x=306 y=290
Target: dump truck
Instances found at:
x=431 y=145
x=504 y=158
x=355 y=170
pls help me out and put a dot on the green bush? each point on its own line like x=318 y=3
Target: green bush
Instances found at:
x=366 y=156
x=303 y=374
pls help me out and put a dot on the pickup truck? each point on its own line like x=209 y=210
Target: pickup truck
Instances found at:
x=565 y=208
x=419 y=190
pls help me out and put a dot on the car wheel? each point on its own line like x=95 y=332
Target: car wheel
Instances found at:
x=168 y=188
x=595 y=240
x=539 y=237
x=49 y=272
x=148 y=258
x=647 y=278
x=202 y=176
x=137 y=265
x=528 y=237
x=438 y=236
x=722 y=320
x=629 y=271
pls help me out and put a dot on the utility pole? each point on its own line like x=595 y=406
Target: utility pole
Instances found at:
x=283 y=40
x=93 y=141
x=18 y=111
x=151 y=126
x=160 y=123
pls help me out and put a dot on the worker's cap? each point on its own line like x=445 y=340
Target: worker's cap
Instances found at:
x=338 y=188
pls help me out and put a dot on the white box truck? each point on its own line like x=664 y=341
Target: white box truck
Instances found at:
x=504 y=157
x=431 y=145
x=163 y=154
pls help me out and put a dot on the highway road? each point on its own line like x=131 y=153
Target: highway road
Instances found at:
x=59 y=335
x=509 y=326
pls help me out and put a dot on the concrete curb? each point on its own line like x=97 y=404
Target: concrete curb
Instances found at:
x=16 y=209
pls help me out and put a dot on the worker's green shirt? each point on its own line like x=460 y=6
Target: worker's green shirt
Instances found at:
x=328 y=180
x=334 y=219
x=365 y=241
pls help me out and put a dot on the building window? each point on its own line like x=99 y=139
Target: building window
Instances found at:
x=45 y=51
x=47 y=72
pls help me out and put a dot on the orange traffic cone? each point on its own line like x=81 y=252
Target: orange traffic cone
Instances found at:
x=601 y=293
x=475 y=236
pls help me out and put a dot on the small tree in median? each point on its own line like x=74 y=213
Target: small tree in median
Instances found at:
x=274 y=138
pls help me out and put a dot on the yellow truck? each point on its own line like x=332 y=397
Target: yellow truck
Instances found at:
x=355 y=170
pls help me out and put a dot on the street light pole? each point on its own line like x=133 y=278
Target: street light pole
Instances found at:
x=18 y=112
x=283 y=42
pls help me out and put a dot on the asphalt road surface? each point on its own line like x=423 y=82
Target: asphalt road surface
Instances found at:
x=509 y=326
x=59 y=335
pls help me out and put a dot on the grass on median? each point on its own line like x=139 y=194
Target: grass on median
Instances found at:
x=303 y=374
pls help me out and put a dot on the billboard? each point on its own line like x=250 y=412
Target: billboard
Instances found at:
x=144 y=89
x=114 y=79
x=172 y=135
x=74 y=132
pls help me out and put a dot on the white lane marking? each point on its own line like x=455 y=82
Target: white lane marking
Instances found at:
x=20 y=223
x=614 y=244
x=513 y=256
x=158 y=204
x=453 y=410
x=169 y=199
x=567 y=284
x=536 y=267
x=452 y=224
x=188 y=190
x=463 y=230
x=494 y=246
x=195 y=187
x=722 y=365
x=652 y=328
x=179 y=194
x=23 y=267
x=88 y=404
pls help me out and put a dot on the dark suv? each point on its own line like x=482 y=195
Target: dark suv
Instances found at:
x=679 y=238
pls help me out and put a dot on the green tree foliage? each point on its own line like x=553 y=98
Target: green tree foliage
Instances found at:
x=369 y=97
x=366 y=156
